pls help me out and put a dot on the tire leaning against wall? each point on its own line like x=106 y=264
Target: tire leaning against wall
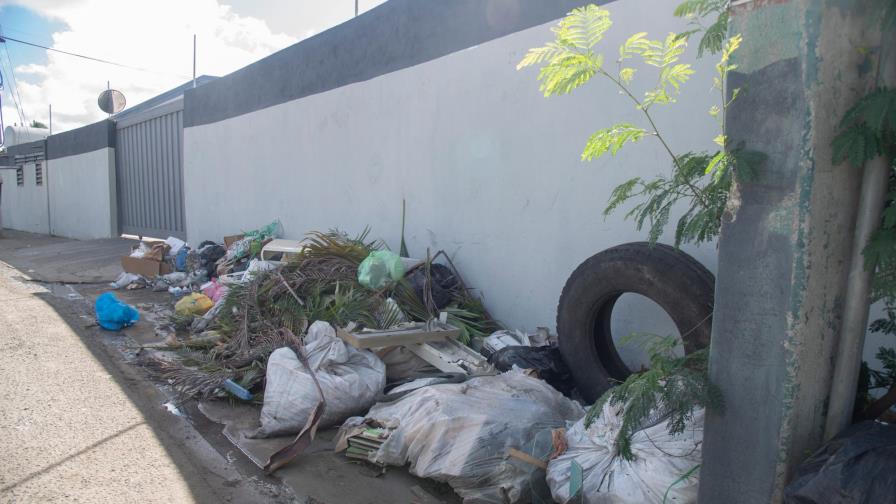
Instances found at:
x=669 y=277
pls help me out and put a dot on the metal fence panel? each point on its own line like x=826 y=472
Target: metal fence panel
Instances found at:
x=149 y=169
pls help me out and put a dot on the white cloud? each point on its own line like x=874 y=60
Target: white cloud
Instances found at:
x=156 y=35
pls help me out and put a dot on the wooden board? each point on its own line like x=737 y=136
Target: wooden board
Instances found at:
x=418 y=333
x=451 y=356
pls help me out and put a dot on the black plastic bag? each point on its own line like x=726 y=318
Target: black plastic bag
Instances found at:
x=444 y=284
x=546 y=360
x=209 y=253
x=857 y=466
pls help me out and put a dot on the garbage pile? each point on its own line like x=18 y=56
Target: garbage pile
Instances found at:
x=338 y=330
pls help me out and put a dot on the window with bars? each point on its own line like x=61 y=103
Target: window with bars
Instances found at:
x=39 y=174
x=20 y=176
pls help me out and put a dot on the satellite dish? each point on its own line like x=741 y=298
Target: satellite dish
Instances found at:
x=111 y=101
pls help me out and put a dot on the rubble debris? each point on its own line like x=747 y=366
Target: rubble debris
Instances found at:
x=350 y=380
x=591 y=470
x=319 y=283
x=452 y=433
x=112 y=314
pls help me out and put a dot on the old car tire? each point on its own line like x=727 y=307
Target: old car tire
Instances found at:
x=671 y=278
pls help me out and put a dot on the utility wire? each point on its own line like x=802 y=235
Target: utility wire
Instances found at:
x=14 y=92
x=4 y=38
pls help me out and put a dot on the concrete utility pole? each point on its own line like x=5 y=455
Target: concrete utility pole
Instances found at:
x=785 y=250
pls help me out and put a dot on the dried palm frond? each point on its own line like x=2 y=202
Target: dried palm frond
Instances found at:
x=338 y=244
x=187 y=382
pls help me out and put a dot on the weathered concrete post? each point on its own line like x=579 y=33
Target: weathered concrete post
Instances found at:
x=786 y=243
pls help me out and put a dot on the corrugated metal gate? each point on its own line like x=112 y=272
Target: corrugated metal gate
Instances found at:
x=149 y=158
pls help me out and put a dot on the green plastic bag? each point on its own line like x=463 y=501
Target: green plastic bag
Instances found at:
x=272 y=230
x=379 y=269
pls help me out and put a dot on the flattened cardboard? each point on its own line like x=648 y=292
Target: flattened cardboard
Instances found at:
x=144 y=267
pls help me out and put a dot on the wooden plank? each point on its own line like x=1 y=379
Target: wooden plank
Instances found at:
x=449 y=356
x=416 y=333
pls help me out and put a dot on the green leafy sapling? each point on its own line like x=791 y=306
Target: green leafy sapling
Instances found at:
x=701 y=180
x=673 y=388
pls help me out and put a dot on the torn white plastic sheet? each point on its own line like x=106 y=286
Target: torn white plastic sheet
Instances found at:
x=350 y=380
x=462 y=433
x=125 y=279
x=661 y=461
x=175 y=245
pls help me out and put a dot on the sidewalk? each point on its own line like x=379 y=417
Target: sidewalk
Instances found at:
x=75 y=426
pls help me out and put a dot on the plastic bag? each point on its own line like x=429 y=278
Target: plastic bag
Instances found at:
x=114 y=315
x=209 y=255
x=546 y=360
x=661 y=460
x=214 y=290
x=272 y=230
x=856 y=467
x=125 y=279
x=180 y=259
x=443 y=285
x=350 y=379
x=461 y=433
x=379 y=269
x=174 y=245
x=194 y=304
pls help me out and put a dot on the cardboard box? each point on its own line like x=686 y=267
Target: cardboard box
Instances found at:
x=228 y=240
x=144 y=267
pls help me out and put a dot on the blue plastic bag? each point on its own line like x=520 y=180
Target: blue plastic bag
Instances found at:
x=180 y=260
x=112 y=314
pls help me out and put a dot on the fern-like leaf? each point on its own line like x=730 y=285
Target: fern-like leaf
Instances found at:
x=636 y=44
x=664 y=53
x=568 y=72
x=584 y=27
x=611 y=140
x=676 y=75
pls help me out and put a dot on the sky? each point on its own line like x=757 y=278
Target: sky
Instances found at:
x=154 y=37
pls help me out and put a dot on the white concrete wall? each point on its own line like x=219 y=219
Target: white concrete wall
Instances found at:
x=83 y=202
x=24 y=208
x=489 y=168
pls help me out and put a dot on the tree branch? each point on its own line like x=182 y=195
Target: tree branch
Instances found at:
x=697 y=192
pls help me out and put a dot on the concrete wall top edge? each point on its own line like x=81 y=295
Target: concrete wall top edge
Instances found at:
x=8 y=157
x=88 y=138
x=395 y=35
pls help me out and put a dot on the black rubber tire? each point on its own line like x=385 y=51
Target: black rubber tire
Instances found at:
x=669 y=277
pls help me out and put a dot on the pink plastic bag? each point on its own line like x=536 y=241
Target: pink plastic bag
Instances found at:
x=214 y=290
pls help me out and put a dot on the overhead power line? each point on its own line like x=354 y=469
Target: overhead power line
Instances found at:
x=4 y=38
x=14 y=90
